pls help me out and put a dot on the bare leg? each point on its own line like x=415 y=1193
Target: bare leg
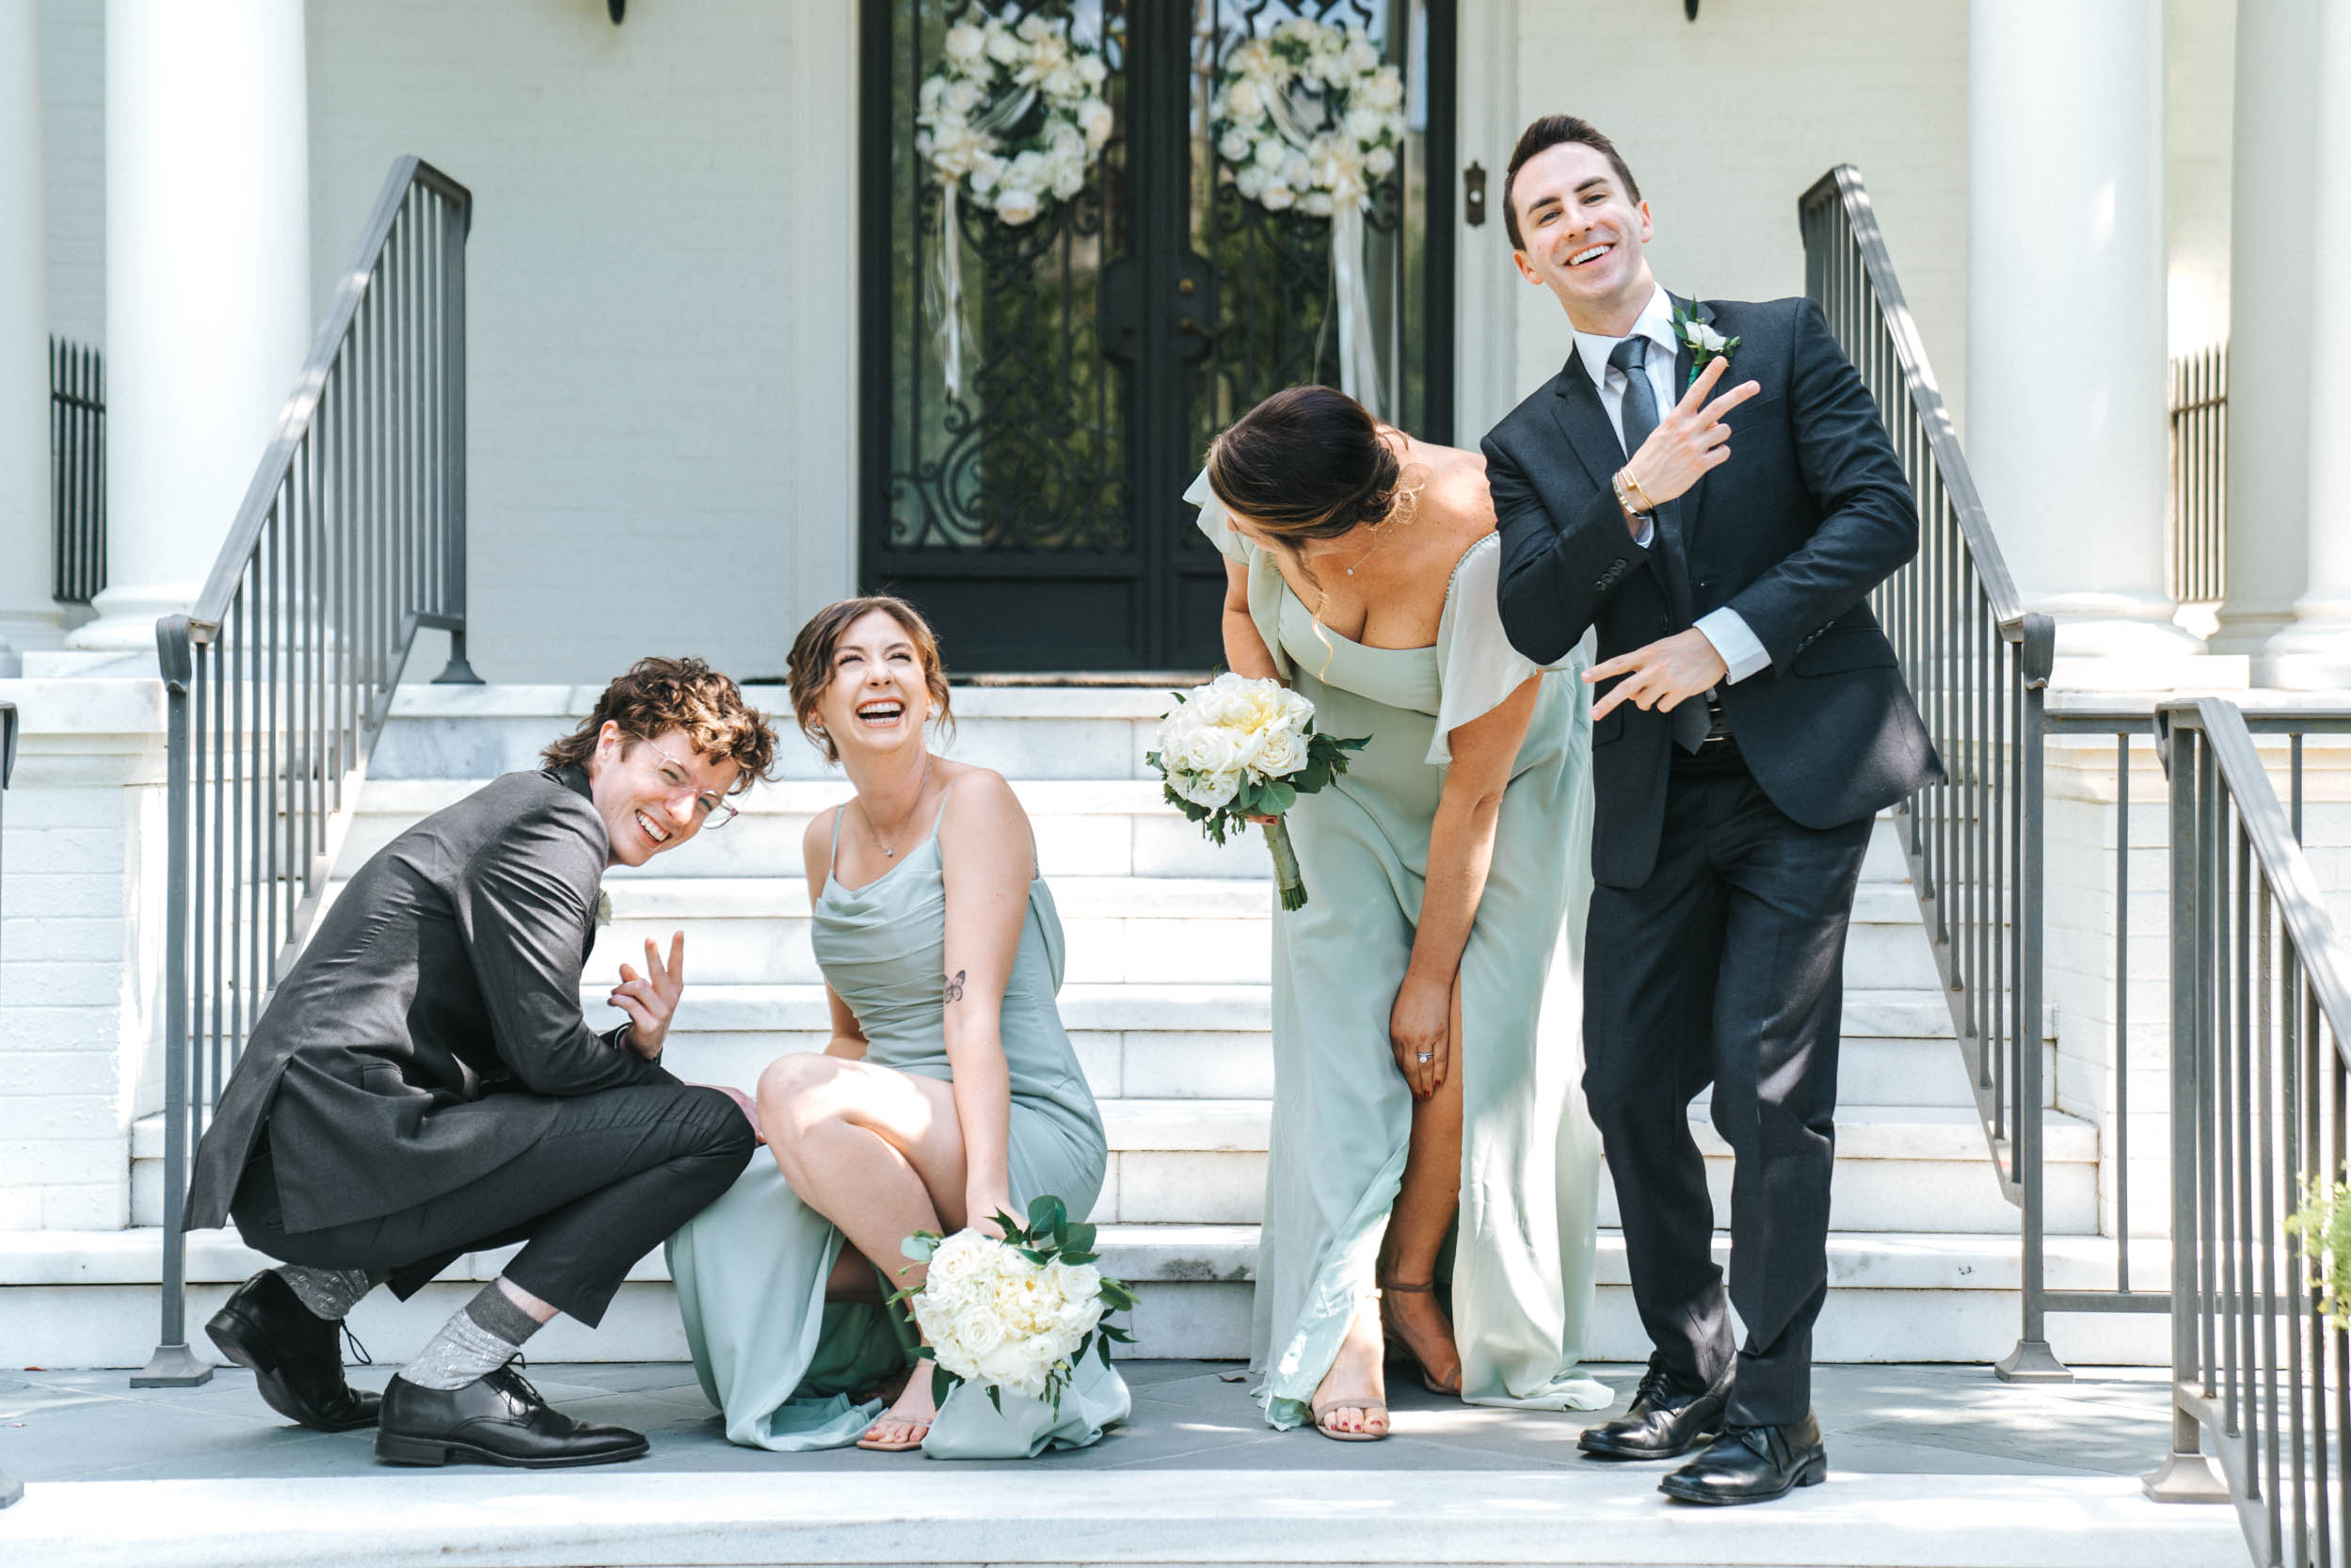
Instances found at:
x=852 y=1278
x=880 y=1154
x=1426 y=1204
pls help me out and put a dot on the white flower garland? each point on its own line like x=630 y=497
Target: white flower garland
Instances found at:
x=1276 y=158
x=993 y=73
x=1332 y=171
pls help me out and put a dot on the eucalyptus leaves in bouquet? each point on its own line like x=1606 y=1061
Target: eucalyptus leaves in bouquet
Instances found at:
x=1238 y=748
x=1016 y=1314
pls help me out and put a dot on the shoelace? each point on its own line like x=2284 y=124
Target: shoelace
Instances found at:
x=358 y=1351
x=1654 y=1385
x=512 y=1373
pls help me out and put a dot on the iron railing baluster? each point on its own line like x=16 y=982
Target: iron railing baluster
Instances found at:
x=281 y=676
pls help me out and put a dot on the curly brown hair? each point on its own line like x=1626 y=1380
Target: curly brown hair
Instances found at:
x=660 y=694
x=810 y=666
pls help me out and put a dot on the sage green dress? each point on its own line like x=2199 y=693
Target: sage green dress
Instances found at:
x=1523 y=1256
x=783 y=1364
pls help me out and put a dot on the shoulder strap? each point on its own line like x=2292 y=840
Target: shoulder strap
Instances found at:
x=940 y=815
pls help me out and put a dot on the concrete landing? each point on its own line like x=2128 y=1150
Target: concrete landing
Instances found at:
x=1932 y=1466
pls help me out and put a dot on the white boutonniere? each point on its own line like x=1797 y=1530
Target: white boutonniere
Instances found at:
x=604 y=907
x=1703 y=342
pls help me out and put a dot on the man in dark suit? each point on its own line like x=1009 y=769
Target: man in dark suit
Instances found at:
x=422 y=1084
x=1750 y=724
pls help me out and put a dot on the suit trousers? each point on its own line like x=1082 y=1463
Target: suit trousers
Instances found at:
x=613 y=1175
x=1725 y=966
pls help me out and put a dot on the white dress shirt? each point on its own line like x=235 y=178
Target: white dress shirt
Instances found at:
x=1742 y=653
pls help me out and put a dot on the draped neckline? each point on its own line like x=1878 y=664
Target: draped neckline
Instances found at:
x=1450 y=578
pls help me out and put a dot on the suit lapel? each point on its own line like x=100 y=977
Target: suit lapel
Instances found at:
x=1692 y=504
x=1584 y=423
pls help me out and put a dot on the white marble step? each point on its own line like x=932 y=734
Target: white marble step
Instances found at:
x=87 y=1297
x=1193 y=1161
x=1115 y=827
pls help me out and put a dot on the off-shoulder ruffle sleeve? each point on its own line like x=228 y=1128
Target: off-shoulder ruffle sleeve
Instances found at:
x=1216 y=522
x=1265 y=573
x=1477 y=667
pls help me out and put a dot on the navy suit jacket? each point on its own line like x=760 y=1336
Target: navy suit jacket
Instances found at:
x=1811 y=513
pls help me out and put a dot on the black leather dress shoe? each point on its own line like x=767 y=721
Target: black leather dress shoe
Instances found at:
x=295 y=1355
x=498 y=1419
x=1666 y=1419
x=1752 y=1464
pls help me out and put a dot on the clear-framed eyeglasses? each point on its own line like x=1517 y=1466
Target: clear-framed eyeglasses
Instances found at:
x=712 y=808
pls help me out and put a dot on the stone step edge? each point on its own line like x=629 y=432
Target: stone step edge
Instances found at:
x=1904 y=1134
x=1097 y=1005
x=1164 y=1254
x=1272 y=1512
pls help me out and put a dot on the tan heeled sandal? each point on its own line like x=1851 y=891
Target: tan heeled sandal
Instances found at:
x=1372 y=1409
x=1396 y=1343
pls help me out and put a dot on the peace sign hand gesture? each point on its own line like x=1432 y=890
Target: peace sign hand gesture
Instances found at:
x=1690 y=439
x=652 y=1000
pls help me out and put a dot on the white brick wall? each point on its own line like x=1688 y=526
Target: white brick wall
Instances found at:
x=73 y=129
x=660 y=296
x=1726 y=120
x=80 y=950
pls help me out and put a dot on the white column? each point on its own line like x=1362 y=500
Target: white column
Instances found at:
x=29 y=617
x=2065 y=254
x=2270 y=336
x=2315 y=651
x=208 y=261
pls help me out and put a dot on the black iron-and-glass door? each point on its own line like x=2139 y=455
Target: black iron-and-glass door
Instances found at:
x=1033 y=508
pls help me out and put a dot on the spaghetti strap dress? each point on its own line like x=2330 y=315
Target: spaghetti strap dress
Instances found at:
x=1523 y=1253
x=784 y=1364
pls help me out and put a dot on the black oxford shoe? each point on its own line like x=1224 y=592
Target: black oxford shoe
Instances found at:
x=295 y=1354
x=1752 y=1464
x=498 y=1419
x=1666 y=1420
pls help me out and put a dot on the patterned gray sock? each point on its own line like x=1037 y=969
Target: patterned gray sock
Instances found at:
x=478 y=1340
x=330 y=1293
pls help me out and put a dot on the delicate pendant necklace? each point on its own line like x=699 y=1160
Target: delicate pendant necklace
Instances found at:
x=1378 y=539
x=889 y=851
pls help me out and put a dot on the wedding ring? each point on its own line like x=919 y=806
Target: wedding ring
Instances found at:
x=1428 y=1056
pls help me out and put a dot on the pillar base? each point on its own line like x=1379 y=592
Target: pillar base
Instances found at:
x=127 y=616
x=2185 y=1477
x=2312 y=655
x=2130 y=643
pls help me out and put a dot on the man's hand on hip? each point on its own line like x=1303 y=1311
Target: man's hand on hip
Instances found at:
x=652 y=999
x=1661 y=676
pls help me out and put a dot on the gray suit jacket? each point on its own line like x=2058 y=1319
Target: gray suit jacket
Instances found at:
x=423 y=1037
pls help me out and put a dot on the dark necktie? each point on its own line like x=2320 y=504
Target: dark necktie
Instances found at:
x=1688 y=718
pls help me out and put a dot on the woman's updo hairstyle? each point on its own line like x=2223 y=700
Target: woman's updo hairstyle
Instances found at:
x=1307 y=463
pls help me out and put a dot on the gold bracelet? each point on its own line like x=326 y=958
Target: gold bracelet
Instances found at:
x=1625 y=500
x=1646 y=505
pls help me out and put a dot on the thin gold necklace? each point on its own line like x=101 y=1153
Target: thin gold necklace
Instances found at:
x=889 y=851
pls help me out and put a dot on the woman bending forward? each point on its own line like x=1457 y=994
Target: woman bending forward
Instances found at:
x=1449 y=870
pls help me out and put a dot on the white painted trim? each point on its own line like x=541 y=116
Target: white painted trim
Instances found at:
x=1486 y=127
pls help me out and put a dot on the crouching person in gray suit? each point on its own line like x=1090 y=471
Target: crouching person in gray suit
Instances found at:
x=422 y=1084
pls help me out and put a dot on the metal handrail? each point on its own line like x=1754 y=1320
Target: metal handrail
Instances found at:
x=78 y=472
x=11 y=1490
x=2197 y=534
x=2260 y=1102
x=1979 y=663
x=277 y=681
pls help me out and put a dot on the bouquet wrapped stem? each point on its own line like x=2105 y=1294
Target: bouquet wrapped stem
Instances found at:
x=1286 y=874
x=1238 y=748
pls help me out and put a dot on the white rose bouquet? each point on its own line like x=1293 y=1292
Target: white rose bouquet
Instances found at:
x=1014 y=1315
x=1237 y=748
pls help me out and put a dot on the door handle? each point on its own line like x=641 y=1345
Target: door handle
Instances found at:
x=1185 y=326
x=1474 y=196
